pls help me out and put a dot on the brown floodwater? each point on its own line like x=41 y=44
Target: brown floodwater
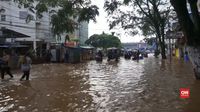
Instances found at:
x=150 y=85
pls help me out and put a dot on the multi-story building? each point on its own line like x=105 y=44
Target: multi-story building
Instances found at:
x=37 y=31
x=134 y=46
x=16 y=20
x=83 y=32
x=80 y=34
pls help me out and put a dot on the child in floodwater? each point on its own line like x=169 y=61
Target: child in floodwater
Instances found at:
x=25 y=67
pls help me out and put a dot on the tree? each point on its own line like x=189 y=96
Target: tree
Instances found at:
x=103 y=41
x=190 y=22
x=63 y=12
x=190 y=25
x=146 y=15
x=150 y=41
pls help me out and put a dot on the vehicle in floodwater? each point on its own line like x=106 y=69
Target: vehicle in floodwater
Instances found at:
x=99 y=56
x=113 y=54
x=128 y=54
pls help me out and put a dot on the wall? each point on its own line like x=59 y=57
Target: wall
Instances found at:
x=13 y=20
x=37 y=29
x=194 y=56
x=83 y=32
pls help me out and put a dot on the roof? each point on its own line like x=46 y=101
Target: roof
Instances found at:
x=8 y=33
x=111 y=48
x=86 y=47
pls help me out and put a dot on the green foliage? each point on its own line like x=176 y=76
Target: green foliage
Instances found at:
x=150 y=41
x=103 y=41
x=146 y=28
x=65 y=14
x=149 y=16
x=75 y=39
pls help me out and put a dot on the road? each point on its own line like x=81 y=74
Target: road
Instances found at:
x=150 y=85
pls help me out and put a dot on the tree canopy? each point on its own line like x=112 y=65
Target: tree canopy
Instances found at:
x=149 y=16
x=150 y=41
x=103 y=41
x=63 y=12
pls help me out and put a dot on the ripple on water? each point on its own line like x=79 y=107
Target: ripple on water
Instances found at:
x=108 y=86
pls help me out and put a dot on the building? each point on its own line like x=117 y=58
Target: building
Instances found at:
x=37 y=31
x=136 y=45
x=80 y=34
x=25 y=22
x=83 y=32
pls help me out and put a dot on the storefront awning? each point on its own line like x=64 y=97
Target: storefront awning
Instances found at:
x=86 y=47
x=8 y=33
x=12 y=45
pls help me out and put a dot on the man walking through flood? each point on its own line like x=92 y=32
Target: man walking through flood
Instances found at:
x=5 y=68
x=25 y=63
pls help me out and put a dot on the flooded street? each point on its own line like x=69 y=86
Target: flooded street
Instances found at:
x=150 y=85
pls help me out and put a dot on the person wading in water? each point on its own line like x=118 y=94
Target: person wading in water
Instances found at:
x=25 y=67
x=5 y=68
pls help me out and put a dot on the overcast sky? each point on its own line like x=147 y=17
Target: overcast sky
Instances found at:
x=102 y=25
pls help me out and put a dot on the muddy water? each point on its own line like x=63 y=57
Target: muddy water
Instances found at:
x=150 y=85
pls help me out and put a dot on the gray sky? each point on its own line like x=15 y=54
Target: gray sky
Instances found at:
x=102 y=25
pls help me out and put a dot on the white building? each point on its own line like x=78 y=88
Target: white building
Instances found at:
x=83 y=32
x=39 y=30
x=14 y=18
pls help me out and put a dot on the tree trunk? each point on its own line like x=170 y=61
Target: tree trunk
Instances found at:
x=156 y=52
x=162 y=46
x=191 y=30
x=184 y=19
x=163 y=51
x=163 y=40
x=161 y=43
x=195 y=14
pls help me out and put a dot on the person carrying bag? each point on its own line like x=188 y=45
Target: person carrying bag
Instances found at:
x=25 y=67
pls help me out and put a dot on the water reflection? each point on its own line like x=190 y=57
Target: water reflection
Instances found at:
x=150 y=85
x=194 y=101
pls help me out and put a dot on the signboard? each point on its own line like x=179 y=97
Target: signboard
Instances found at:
x=70 y=44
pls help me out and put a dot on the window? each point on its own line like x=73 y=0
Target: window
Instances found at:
x=23 y=14
x=3 y=17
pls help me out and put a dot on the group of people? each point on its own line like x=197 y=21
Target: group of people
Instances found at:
x=136 y=55
x=128 y=54
x=24 y=62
